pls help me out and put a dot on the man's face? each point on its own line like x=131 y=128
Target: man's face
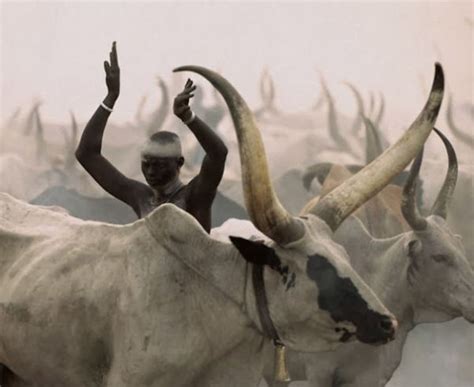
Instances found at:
x=159 y=171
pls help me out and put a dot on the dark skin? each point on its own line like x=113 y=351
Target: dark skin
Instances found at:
x=161 y=173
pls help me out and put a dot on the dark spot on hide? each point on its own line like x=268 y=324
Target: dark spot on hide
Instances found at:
x=100 y=360
x=146 y=342
x=291 y=281
x=342 y=299
x=256 y=252
x=17 y=312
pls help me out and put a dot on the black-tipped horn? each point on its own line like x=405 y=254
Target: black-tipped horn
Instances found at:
x=408 y=206
x=355 y=191
x=440 y=207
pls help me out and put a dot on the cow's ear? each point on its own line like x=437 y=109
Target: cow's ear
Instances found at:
x=255 y=252
x=413 y=248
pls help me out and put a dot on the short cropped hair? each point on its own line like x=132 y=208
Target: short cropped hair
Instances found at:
x=162 y=144
x=164 y=137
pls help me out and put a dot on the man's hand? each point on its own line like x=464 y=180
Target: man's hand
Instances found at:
x=181 y=103
x=112 y=74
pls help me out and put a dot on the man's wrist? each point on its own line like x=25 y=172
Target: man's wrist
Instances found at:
x=109 y=102
x=189 y=119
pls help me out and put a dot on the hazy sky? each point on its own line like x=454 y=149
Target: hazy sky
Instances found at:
x=55 y=50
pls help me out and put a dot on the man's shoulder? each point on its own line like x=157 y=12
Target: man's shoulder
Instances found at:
x=196 y=187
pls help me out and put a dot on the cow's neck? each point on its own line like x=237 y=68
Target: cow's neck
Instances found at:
x=218 y=264
x=387 y=275
x=226 y=270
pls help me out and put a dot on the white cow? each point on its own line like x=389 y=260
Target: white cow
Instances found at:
x=422 y=275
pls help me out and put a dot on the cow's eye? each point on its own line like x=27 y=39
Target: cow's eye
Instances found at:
x=440 y=258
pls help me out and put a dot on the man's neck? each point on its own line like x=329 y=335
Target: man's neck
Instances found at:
x=168 y=189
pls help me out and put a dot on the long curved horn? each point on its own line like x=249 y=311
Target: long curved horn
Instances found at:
x=373 y=145
x=40 y=142
x=271 y=90
x=380 y=113
x=408 y=205
x=263 y=206
x=30 y=118
x=267 y=90
x=355 y=191
x=440 y=207
x=334 y=130
x=140 y=108
x=159 y=115
x=360 y=107
x=371 y=103
x=71 y=143
x=319 y=171
x=460 y=135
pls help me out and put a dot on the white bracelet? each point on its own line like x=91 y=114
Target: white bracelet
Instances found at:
x=106 y=107
x=191 y=119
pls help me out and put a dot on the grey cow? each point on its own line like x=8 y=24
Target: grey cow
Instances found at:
x=161 y=303
x=422 y=276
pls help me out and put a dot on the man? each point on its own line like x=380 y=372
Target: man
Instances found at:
x=161 y=158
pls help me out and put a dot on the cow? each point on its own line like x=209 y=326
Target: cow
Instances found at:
x=160 y=303
x=423 y=276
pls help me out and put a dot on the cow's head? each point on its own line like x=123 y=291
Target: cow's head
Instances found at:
x=439 y=274
x=315 y=296
x=316 y=299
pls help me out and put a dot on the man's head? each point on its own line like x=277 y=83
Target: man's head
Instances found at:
x=161 y=158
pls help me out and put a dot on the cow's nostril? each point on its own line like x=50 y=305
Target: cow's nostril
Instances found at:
x=388 y=324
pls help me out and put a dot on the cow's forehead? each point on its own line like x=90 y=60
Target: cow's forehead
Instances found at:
x=439 y=236
x=318 y=240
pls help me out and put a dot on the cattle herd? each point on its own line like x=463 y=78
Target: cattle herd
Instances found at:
x=361 y=238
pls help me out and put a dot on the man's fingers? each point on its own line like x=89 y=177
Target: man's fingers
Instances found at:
x=113 y=55
x=183 y=97
x=106 y=67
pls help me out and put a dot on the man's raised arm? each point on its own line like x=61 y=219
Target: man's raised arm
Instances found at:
x=213 y=164
x=88 y=152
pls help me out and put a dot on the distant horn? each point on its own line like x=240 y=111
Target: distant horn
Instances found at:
x=440 y=207
x=263 y=206
x=458 y=133
x=334 y=130
x=379 y=116
x=355 y=191
x=360 y=107
x=159 y=115
x=373 y=145
x=408 y=206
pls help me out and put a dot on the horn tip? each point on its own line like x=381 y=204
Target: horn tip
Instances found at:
x=438 y=83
